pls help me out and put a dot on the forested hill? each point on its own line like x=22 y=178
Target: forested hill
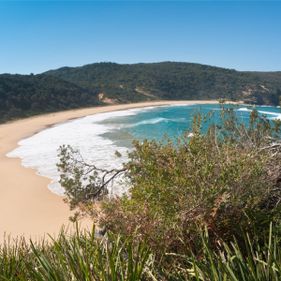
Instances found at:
x=173 y=80
x=103 y=83
x=26 y=95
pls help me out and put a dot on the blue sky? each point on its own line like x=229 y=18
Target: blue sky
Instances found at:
x=36 y=36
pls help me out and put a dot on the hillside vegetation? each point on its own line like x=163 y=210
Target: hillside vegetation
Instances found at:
x=173 y=80
x=107 y=83
x=26 y=95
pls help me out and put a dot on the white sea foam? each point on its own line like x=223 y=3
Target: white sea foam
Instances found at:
x=244 y=109
x=40 y=151
x=154 y=121
x=147 y=122
x=274 y=115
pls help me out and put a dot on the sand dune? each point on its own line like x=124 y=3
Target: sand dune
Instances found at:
x=27 y=207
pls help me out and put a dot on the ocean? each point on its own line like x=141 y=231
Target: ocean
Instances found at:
x=99 y=136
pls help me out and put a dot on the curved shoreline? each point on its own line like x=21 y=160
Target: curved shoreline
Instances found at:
x=27 y=206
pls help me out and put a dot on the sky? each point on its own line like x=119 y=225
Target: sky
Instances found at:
x=36 y=36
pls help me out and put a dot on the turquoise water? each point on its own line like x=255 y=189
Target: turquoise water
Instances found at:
x=173 y=121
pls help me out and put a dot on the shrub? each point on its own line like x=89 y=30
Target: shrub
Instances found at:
x=227 y=180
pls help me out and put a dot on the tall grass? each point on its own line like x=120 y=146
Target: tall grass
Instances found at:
x=82 y=256
x=257 y=261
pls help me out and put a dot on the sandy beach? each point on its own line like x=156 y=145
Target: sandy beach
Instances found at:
x=27 y=206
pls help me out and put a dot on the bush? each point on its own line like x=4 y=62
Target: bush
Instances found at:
x=227 y=180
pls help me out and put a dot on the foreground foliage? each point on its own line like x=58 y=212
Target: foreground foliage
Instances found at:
x=82 y=257
x=227 y=179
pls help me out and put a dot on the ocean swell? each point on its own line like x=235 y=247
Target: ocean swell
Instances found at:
x=40 y=151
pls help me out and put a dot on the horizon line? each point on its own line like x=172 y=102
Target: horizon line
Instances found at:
x=136 y=63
